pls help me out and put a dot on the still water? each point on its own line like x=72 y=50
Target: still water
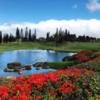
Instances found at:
x=29 y=57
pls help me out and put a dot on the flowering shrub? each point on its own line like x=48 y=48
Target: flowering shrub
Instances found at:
x=61 y=85
x=82 y=56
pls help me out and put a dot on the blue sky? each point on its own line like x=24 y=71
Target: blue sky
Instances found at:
x=37 y=10
x=78 y=16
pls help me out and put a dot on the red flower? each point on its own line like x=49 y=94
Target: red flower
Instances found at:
x=22 y=97
x=67 y=87
x=5 y=96
x=26 y=90
x=23 y=88
x=3 y=92
x=39 y=98
x=53 y=78
x=3 y=89
x=14 y=98
x=17 y=87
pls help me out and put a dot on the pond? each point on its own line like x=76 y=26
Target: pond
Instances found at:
x=29 y=57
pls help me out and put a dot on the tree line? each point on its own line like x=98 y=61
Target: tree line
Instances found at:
x=20 y=36
x=58 y=37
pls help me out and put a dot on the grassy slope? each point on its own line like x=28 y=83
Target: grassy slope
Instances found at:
x=59 y=65
x=68 y=46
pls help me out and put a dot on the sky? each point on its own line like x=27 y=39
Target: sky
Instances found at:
x=78 y=16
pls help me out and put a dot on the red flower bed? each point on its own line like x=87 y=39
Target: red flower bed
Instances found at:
x=84 y=56
x=45 y=86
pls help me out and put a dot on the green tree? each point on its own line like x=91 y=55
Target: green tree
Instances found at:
x=0 y=36
x=17 y=34
x=30 y=35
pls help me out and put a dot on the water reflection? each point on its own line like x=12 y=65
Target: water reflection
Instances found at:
x=29 y=57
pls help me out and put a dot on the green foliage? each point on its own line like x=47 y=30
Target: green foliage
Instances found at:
x=90 y=65
x=95 y=84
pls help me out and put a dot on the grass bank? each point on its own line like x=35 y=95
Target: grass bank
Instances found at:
x=66 y=46
x=59 y=65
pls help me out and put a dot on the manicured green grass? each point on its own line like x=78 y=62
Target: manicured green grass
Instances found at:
x=66 y=46
x=59 y=65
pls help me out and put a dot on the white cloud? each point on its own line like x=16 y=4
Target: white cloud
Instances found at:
x=93 y=5
x=89 y=27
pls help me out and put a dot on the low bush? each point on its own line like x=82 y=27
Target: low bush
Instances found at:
x=95 y=66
